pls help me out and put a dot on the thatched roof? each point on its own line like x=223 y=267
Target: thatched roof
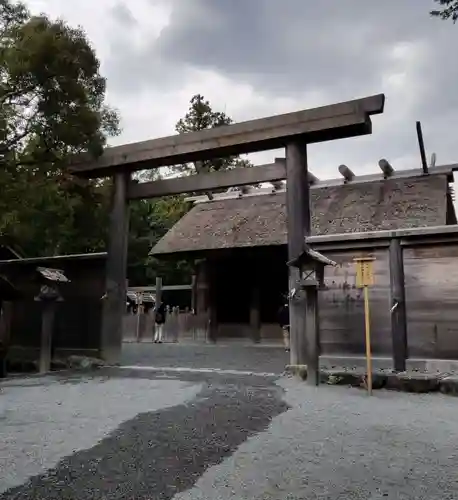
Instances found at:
x=261 y=220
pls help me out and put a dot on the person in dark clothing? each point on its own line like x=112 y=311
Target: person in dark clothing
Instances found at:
x=283 y=320
x=159 y=319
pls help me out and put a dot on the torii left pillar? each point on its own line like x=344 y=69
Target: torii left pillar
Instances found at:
x=115 y=289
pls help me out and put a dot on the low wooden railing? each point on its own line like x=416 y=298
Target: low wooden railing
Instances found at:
x=179 y=326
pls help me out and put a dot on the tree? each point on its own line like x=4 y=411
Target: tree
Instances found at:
x=149 y=222
x=164 y=213
x=51 y=91
x=448 y=10
x=201 y=116
x=52 y=105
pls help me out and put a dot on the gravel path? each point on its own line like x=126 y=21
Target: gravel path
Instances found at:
x=159 y=452
x=230 y=357
x=133 y=434
x=336 y=443
x=43 y=420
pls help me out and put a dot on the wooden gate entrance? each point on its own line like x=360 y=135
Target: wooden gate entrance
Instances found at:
x=292 y=131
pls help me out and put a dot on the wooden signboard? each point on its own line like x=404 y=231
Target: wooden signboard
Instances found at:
x=365 y=279
x=364 y=271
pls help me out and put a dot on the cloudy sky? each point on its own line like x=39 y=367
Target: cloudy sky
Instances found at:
x=254 y=58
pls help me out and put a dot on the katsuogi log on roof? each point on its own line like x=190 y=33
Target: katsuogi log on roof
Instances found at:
x=251 y=221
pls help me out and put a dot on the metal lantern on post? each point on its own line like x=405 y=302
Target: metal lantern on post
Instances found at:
x=49 y=295
x=311 y=265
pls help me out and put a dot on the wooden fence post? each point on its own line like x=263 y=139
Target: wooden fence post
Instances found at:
x=255 y=314
x=47 y=325
x=398 y=306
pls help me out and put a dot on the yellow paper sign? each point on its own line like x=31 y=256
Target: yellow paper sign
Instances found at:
x=364 y=272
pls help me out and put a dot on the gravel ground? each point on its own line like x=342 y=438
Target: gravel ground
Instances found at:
x=139 y=434
x=230 y=357
x=155 y=454
x=43 y=420
x=336 y=443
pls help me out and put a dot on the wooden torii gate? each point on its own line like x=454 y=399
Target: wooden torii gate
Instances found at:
x=292 y=131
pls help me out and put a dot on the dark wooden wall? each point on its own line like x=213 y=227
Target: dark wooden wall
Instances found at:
x=341 y=306
x=431 y=280
x=78 y=318
x=431 y=274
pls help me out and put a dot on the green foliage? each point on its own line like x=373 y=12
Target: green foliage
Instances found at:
x=201 y=116
x=165 y=213
x=150 y=221
x=51 y=92
x=51 y=105
x=448 y=10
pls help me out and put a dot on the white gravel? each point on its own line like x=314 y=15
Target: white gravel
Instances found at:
x=337 y=443
x=43 y=420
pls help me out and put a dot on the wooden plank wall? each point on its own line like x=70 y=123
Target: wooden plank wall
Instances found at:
x=341 y=306
x=431 y=275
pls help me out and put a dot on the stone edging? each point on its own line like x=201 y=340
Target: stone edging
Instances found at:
x=416 y=382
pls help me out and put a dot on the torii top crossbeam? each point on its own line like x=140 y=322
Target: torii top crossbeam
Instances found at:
x=336 y=121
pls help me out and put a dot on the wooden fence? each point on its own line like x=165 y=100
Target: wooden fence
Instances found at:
x=179 y=326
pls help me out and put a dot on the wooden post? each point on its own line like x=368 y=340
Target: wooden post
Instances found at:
x=304 y=347
x=255 y=316
x=364 y=279
x=115 y=295
x=398 y=306
x=211 y=302
x=312 y=337
x=202 y=287
x=367 y=330
x=47 y=323
x=158 y=292
x=194 y=294
x=139 y=297
x=6 y=315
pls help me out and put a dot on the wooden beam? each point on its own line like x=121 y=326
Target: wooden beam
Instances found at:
x=446 y=170
x=278 y=185
x=207 y=182
x=386 y=168
x=346 y=173
x=345 y=119
x=414 y=232
x=164 y=288
x=313 y=179
x=115 y=295
x=398 y=306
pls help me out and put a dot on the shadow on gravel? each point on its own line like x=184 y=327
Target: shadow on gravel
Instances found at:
x=159 y=454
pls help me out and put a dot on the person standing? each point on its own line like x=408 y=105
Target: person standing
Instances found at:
x=283 y=320
x=159 y=319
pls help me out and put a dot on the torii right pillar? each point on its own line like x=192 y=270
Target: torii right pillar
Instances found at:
x=299 y=227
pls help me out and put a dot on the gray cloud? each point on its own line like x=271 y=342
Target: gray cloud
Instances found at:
x=286 y=46
x=343 y=49
x=123 y=16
